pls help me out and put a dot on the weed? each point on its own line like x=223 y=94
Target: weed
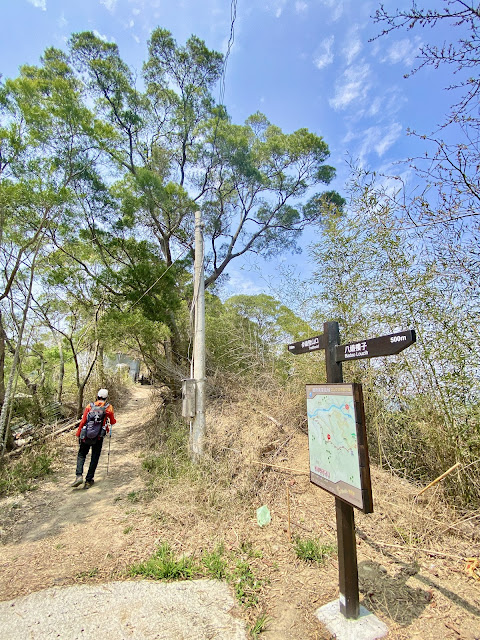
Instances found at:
x=259 y=626
x=127 y=530
x=20 y=475
x=312 y=550
x=172 y=460
x=87 y=574
x=215 y=563
x=163 y=566
x=246 y=547
x=134 y=496
x=245 y=584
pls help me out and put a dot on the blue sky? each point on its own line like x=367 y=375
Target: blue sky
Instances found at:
x=304 y=63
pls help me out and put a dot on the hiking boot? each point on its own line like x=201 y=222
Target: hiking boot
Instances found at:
x=88 y=484
x=78 y=481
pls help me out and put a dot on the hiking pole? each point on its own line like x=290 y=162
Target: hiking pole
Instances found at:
x=109 y=442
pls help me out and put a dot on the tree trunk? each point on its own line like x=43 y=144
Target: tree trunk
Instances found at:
x=80 y=392
x=2 y=360
x=8 y=391
x=61 y=371
x=100 y=367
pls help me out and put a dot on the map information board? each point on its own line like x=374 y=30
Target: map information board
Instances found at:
x=338 y=444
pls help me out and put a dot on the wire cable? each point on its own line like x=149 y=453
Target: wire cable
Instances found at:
x=158 y=279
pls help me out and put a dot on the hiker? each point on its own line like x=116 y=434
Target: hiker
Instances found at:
x=93 y=427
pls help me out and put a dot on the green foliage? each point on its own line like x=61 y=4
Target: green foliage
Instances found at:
x=164 y=566
x=215 y=563
x=233 y=567
x=103 y=177
x=91 y=573
x=133 y=496
x=18 y=476
x=255 y=330
x=245 y=584
x=312 y=550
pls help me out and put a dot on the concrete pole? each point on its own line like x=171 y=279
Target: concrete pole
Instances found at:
x=198 y=433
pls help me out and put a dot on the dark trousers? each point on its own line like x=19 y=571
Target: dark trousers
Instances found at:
x=82 y=454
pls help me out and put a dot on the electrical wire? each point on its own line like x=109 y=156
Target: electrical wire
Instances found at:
x=158 y=279
x=231 y=40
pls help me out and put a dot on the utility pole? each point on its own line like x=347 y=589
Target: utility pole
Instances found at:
x=198 y=432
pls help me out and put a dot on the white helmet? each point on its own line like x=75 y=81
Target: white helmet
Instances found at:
x=102 y=393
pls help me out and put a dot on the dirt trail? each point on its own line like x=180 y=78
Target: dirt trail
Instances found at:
x=57 y=535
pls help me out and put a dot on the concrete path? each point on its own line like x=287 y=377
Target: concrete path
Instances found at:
x=197 y=610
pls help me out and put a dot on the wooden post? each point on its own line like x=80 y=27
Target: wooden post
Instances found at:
x=347 y=549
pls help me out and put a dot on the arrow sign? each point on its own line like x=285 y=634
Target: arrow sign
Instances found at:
x=307 y=345
x=375 y=347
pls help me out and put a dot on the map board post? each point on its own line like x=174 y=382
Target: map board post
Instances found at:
x=335 y=354
x=337 y=442
x=346 y=542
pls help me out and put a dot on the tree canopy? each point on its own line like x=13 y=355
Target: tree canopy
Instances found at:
x=102 y=167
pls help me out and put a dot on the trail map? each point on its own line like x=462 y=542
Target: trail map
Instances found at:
x=332 y=436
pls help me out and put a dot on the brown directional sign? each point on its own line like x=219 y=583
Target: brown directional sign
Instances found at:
x=307 y=345
x=375 y=347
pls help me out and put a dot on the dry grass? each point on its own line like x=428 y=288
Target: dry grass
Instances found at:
x=410 y=551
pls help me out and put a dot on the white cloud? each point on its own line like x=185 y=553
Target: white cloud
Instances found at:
x=109 y=4
x=403 y=51
x=337 y=8
x=353 y=47
x=62 y=21
x=387 y=138
x=39 y=4
x=324 y=55
x=277 y=7
x=238 y=284
x=102 y=36
x=300 y=6
x=375 y=139
x=375 y=106
x=353 y=85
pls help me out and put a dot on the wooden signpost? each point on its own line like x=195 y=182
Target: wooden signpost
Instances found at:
x=335 y=354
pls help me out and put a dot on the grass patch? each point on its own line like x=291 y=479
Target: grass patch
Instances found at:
x=233 y=567
x=164 y=566
x=259 y=626
x=171 y=460
x=312 y=550
x=245 y=584
x=134 y=496
x=21 y=475
x=215 y=563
